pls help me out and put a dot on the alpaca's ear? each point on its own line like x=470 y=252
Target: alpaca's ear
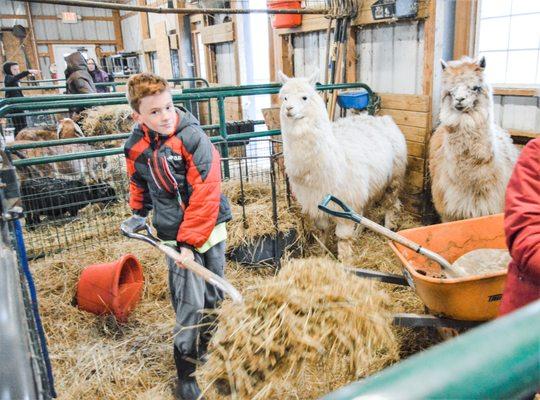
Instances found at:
x=282 y=77
x=443 y=64
x=314 y=77
x=482 y=63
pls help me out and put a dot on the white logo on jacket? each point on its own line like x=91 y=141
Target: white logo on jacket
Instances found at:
x=174 y=158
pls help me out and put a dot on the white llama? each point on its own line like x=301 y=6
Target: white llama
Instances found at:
x=358 y=159
x=470 y=158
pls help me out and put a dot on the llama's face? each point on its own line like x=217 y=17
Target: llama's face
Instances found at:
x=298 y=97
x=463 y=84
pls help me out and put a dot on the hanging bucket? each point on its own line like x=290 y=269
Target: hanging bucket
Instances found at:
x=285 y=20
x=114 y=287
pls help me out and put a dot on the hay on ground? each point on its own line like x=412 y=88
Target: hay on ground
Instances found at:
x=312 y=313
x=251 y=206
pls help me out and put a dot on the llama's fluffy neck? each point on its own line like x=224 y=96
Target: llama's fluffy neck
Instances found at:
x=310 y=138
x=470 y=133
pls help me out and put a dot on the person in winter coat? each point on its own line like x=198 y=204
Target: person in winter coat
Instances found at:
x=12 y=76
x=175 y=170
x=99 y=76
x=522 y=229
x=78 y=79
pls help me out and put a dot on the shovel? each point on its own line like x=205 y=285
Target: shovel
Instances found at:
x=193 y=266
x=450 y=270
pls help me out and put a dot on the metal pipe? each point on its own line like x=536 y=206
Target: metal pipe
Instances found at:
x=498 y=360
x=160 y=10
x=120 y=150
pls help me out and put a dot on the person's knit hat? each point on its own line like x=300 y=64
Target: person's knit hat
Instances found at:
x=7 y=67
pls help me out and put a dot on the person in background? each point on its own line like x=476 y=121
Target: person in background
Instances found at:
x=522 y=229
x=12 y=77
x=99 y=76
x=78 y=80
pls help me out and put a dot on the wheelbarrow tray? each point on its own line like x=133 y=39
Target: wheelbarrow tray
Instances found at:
x=471 y=298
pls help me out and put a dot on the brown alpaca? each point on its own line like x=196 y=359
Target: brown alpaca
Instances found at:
x=470 y=158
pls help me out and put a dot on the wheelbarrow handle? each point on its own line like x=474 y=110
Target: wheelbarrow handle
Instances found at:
x=193 y=266
x=348 y=213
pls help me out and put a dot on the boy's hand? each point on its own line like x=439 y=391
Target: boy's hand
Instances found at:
x=186 y=254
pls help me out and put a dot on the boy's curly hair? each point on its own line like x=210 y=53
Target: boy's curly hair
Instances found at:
x=142 y=85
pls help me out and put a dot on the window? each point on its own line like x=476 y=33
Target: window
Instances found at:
x=509 y=38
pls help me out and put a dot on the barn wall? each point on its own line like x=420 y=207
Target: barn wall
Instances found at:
x=517 y=112
x=390 y=57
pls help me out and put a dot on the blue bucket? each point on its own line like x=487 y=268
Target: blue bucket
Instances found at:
x=358 y=99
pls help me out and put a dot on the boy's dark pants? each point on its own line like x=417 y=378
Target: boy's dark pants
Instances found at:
x=190 y=295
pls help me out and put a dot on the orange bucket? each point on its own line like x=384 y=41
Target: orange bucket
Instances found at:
x=285 y=20
x=114 y=287
x=471 y=298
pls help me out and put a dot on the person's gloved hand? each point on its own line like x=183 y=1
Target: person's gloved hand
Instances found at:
x=133 y=224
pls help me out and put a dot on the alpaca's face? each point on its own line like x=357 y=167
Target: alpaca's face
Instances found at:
x=299 y=98
x=296 y=104
x=463 y=84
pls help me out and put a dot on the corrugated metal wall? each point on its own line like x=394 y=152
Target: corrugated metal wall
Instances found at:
x=83 y=30
x=390 y=57
x=225 y=64
x=12 y=8
x=516 y=112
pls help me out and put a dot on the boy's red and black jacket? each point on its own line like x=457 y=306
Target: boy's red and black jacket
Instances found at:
x=179 y=176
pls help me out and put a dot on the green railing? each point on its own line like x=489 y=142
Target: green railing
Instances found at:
x=36 y=85
x=498 y=360
x=219 y=94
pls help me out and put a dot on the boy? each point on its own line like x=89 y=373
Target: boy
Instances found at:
x=12 y=76
x=174 y=169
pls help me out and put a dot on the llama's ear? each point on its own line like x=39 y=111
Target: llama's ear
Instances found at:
x=443 y=64
x=314 y=77
x=482 y=63
x=282 y=77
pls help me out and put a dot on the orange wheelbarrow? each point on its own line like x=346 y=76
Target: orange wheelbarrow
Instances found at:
x=452 y=302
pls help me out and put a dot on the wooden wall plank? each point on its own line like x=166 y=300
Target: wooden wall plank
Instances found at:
x=405 y=102
x=409 y=118
x=219 y=33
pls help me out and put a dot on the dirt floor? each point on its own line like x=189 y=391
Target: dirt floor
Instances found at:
x=96 y=358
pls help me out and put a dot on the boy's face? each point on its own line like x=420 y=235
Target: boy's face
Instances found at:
x=15 y=69
x=157 y=112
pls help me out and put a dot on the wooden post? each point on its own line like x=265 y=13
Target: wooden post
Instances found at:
x=351 y=55
x=118 y=30
x=465 y=28
x=145 y=32
x=32 y=40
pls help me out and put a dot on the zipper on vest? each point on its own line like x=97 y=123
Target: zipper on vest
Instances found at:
x=153 y=176
x=167 y=170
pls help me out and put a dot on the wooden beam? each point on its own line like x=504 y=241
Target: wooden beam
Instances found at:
x=32 y=34
x=118 y=30
x=163 y=51
x=128 y=15
x=82 y=41
x=523 y=92
x=51 y=53
x=351 y=56
x=429 y=50
x=522 y=137
x=465 y=28
x=310 y=23
x=219 y=33
x=13 y=16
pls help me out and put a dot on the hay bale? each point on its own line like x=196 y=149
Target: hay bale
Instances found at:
x=107 y=120
x=312 y=312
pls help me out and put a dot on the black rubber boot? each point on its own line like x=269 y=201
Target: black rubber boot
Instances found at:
x=186 y=387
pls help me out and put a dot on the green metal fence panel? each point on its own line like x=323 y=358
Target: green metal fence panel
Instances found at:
x=498 y=360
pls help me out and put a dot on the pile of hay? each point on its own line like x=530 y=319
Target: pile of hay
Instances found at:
x=251 y=206
x=94 y=357
x=311 y=315
x=107 y=120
